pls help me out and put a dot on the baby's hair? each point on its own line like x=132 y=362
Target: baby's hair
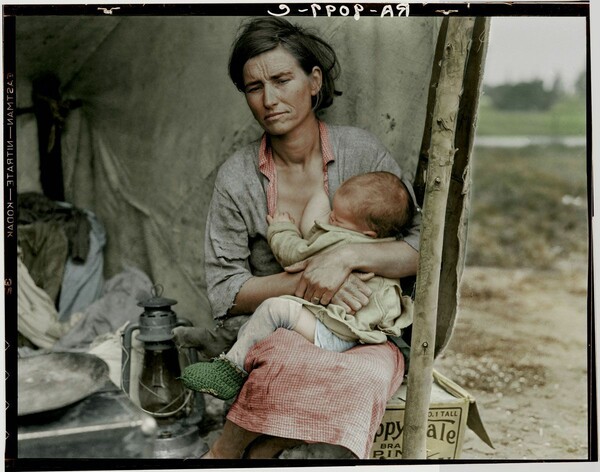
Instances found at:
x=381 y=200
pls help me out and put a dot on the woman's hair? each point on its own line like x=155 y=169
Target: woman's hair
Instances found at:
x=381 y=200
x=261 y=35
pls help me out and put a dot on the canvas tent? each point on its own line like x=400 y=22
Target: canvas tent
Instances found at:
x=159 y=115
x=156 y=115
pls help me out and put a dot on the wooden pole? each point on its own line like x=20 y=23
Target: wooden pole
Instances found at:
x=441 y=158
x=459 y=193
x=436 y=68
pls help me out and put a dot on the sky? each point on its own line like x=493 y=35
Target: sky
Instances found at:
x=527 y=48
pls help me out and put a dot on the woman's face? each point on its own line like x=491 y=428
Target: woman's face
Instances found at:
x=278 y=91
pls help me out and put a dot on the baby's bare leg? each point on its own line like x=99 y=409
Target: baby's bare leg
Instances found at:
x=306 y=324
x=224 y=377
x=273 y=313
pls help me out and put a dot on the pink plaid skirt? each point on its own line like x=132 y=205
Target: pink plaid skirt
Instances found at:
x=300 y=391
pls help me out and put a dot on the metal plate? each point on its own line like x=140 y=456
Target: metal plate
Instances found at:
x=55 y=380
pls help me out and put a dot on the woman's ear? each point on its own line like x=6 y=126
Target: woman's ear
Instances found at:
x=316 y=77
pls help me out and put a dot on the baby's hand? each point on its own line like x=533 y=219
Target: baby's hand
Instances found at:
x=280 y=218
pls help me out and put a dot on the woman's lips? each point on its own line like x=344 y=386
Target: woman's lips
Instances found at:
x=273 y=116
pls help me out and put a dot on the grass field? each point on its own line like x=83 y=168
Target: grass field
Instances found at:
x=566 y=118
x=528 y=206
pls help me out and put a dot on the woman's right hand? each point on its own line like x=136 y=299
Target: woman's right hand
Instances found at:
x=326 y=278
x=354 y=292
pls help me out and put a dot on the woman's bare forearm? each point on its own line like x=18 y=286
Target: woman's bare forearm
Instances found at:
x=393 y=259
x=257 y=289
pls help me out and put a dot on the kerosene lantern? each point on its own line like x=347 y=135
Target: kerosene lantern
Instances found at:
x=161 y=394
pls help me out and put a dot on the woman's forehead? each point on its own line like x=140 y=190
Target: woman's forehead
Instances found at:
x=270 y=64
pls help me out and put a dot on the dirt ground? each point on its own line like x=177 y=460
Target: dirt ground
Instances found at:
x=519 y=347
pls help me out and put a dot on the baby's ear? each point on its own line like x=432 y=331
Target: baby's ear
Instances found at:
x=370 y=234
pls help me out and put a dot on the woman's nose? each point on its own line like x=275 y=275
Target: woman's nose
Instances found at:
x=269 y=96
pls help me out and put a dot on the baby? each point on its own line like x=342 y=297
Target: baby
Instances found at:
x=366 y=208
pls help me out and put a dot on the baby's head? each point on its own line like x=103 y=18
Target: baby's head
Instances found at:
x=377 y=204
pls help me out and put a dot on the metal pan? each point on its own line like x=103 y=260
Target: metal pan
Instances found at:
x=55 y=380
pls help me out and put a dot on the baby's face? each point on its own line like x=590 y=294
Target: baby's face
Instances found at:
x=342 y=215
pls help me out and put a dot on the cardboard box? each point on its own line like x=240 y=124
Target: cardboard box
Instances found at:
x=451 y=410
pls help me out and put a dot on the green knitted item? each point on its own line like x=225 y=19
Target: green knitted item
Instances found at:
x=219 y=377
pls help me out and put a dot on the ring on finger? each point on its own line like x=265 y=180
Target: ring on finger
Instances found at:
x=316 y=300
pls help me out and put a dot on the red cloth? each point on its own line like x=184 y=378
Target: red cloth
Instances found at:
x=297 y=390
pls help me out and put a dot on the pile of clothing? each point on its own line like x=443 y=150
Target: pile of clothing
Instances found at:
x=64 y=303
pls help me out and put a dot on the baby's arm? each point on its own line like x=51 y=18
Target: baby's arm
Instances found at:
x=285 y=239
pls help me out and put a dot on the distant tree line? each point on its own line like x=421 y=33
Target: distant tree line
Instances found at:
x=531 y=95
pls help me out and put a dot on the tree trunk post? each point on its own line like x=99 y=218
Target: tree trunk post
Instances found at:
x=438 y=174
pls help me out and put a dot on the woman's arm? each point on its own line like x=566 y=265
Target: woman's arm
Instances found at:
x=324 y=274
x=236 y=223
x=392 y=259
x=257 y=289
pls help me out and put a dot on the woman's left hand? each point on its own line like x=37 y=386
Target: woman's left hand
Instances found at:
x=354 y=293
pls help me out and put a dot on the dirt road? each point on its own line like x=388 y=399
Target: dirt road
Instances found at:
x=519 y=347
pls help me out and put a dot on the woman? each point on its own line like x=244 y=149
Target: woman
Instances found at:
x=287 y=76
